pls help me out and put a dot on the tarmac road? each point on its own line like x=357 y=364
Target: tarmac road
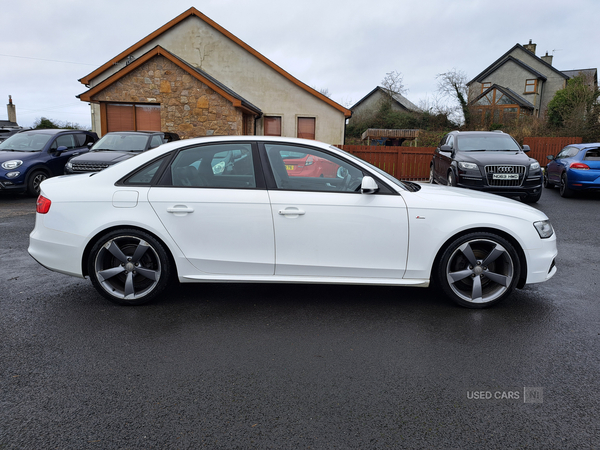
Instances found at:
x=289 y=366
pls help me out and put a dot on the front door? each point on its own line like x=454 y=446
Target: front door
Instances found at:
x=324 y=226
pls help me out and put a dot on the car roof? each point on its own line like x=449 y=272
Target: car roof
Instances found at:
x=143 y=133
x=54 y=131
x=584 y=145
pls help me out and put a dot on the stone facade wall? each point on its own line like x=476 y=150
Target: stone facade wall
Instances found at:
x=188 y=107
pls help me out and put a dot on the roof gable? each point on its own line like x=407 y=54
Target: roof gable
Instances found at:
x=518 y=100
x=508 y=55
x=236 y=99
x=194 y=12
x=397 y=97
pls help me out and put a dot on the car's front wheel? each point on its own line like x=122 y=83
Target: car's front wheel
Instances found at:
x=533 y=198
x=547 y=183
x=431 y=177
x=129 y=267
x=34 y=181
x=478 y=269
x=451 y=179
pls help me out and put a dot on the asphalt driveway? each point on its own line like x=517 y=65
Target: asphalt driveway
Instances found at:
x=300 y=366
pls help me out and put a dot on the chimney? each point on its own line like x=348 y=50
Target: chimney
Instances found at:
x=547 y=58
x=531 y=47
x=12 y=110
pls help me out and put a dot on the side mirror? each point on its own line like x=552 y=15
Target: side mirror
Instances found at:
x=368 y=186
x=550 y=157
x=60 y=149
x=445 y=148
x=526 y=148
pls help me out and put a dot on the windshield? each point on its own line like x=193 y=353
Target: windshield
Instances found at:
x=497 y=142
x=376 y=169
x=25 y=142
x=122 y=143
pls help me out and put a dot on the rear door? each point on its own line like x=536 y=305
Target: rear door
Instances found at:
x=218 y=214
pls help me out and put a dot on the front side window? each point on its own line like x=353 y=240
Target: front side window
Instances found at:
x=309 y=169
x=213 y=166
x=156 y=141
x=66 y=140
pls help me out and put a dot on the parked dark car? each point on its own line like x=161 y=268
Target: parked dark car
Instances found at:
x=115 y=147
x=29 y=157
x=576 y=168
x=490 y=161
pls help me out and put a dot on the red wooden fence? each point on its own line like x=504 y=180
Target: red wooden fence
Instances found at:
x=412 y=163
x=544 y=146
x=406 y=163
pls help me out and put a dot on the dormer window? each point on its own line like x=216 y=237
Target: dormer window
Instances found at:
x=530 y=86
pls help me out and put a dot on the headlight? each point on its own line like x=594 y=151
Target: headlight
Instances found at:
x=12 y=164
x=467 y=166
x=544 y=228
x=69 y=165
x=535 y=166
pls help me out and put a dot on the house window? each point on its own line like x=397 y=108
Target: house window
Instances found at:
x=486 y=85
x=530 y=86
x=272 y=126
x=130 y=117
x=306 y=127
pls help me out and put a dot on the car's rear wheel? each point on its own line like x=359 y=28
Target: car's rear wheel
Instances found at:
x=564 y=189
x=34 y=181
x=478 y=270
x=129 y=267
x=547 y=183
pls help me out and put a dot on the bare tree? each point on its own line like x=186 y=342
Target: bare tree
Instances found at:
x=453 y=86
x=392 y=84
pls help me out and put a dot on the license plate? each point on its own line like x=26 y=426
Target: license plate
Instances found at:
x=288 y=167
x=505 y=176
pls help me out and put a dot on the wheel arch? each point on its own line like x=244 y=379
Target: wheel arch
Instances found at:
x=503 y=234
x=93 y=240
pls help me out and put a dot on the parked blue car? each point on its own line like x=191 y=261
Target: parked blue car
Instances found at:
x=29 y=157
x=575 y=168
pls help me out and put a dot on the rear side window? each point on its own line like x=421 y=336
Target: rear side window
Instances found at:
x=83 y=139
x=145 y=175
x=592 y=154
x=213 y=166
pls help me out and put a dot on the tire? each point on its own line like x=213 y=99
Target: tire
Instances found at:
x=34 y=181
x=564 y=189
x=451 y=180
x=547 y=183
x=431 y=177
x=478 y=270
x=533 y=198
x=129 y=267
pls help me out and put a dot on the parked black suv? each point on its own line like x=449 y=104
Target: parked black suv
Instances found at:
x=115 y=147
x=490 y=161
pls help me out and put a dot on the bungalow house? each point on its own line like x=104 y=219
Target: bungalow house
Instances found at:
x=194 y=78
x=518 y=83
x=369 y=104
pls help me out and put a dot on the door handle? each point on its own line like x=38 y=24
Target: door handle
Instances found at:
x=291 y=212
x=180 y=209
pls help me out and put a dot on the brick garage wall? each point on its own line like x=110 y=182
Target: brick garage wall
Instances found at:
x=188 y=107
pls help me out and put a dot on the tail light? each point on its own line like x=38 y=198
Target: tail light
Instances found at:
x=42 y=205
x=580 y=166
x=309 y=161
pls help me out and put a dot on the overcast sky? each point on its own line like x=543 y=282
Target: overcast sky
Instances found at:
x=344 y=46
